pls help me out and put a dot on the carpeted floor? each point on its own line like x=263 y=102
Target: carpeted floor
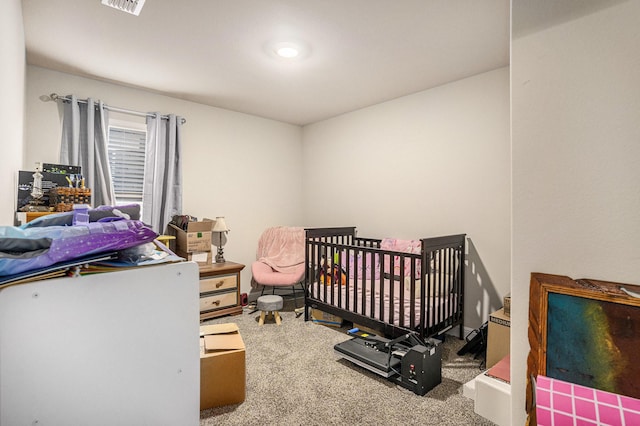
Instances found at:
x=294 y=378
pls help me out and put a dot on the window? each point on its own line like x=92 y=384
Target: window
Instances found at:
x=127 y=141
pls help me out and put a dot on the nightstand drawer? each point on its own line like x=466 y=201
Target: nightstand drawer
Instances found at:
x=218 y=283
x=217 y=301
x=220 y=290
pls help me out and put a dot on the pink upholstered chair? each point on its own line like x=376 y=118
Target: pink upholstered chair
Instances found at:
x=280 y=260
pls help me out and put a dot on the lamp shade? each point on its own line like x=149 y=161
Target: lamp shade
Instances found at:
x=220 y=225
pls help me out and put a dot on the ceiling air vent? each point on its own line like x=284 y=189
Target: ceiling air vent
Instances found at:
x=130 y=6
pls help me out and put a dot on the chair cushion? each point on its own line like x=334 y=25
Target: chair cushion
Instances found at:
x=264 y=275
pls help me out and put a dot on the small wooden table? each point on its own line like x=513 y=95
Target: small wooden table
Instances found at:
x=220 y=290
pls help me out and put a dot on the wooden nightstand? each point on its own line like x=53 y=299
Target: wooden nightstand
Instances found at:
x=220 y=290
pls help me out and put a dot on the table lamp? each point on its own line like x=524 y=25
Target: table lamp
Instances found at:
x=221 y=228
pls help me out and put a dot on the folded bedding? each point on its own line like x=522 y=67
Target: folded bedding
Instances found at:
x=38 y=247
x=100 y=213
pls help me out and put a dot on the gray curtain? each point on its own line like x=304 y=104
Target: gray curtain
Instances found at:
x=163 y=171
x=84 y=143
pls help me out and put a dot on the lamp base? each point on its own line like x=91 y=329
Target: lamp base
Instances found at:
x=220 y=256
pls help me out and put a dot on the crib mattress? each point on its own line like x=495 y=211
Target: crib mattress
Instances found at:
x=356 y=296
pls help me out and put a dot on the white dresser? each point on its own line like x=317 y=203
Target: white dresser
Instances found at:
x=117 y=348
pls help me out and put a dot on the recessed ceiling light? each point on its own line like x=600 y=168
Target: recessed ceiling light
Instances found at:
x=287 y=50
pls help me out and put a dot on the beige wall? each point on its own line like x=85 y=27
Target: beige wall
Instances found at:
x=11 y=105
x=236 y=165
x=441 y=156
x=576 y=155
x=433 y=163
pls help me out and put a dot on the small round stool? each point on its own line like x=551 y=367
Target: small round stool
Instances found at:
x=270 y=305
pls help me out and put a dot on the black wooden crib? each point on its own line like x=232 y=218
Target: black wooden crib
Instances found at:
x=387 y=285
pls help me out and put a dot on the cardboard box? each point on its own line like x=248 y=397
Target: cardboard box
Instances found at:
x=320 y=317
x=222 y=366
x=202 y=258
x=498 y=337
x=197 y=237
x=507 y=305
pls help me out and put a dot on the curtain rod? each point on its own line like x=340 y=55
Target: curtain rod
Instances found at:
x=56 y=97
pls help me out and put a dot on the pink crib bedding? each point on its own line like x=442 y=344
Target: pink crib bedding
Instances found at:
x=355 y=296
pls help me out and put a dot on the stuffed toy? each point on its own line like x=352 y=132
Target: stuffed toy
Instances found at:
x=331 y=272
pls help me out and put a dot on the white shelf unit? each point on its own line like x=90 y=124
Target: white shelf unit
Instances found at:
x=117 y=348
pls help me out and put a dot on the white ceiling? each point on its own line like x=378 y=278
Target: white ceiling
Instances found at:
x=362 y=52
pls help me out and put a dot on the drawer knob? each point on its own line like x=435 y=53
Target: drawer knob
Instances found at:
x=217 y=303
x=219 y=284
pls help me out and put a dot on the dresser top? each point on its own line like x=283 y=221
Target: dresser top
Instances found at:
x=221 y=268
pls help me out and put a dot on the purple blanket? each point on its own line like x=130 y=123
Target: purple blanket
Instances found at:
x=34 y=248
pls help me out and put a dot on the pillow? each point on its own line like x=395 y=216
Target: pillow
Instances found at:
x=404 y=246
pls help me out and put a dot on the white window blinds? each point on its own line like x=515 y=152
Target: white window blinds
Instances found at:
x=126 y=159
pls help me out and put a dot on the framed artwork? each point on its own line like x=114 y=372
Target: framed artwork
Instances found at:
x=585 y=332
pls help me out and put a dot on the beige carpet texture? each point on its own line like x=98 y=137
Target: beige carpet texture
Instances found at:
x=294 y=377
